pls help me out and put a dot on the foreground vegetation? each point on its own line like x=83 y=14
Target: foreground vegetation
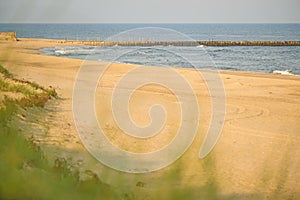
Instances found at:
x=24 y=170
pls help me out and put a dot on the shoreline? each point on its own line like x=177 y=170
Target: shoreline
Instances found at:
x=52 y=42
x=256 y=155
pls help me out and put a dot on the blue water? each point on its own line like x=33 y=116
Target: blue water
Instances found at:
x=262 y=59
x=196 y=31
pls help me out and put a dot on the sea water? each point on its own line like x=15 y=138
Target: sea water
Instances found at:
x=246 y=58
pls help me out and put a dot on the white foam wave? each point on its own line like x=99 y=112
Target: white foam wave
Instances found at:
x=283 y=72
x=61 y=52
x=73 y=51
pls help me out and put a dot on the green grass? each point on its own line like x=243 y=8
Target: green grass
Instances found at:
x=22 y=86
x=12 y=87
x=26 y=174
x=4 y=85
x=24 y=171
x=5 y=72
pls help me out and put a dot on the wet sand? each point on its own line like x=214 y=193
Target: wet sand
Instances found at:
x=257 y=155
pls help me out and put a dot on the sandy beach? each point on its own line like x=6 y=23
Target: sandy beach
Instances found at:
x=256 y=156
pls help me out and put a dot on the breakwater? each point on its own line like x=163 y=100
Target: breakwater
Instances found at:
x=193 y=43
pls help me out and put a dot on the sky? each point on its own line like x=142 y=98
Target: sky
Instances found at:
x=149 y=11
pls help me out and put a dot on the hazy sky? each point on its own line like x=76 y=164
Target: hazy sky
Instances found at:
x=151 y=11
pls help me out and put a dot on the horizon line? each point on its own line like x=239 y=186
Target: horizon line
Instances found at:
x=149 y=22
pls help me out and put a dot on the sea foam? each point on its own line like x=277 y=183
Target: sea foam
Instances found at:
x=283 y=72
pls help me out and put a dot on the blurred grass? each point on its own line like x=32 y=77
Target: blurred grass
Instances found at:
x=207 y=189
x=11 y=87
x=5 y=72
x=24 y=171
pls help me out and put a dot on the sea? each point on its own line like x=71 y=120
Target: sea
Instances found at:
x=268 y=59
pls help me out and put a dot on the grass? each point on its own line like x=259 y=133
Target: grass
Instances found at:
x=24 y=171
x=26 y=174
x=12 y=87
x=5 y=72
x=25 y=87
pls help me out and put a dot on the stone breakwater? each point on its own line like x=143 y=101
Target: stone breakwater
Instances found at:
x=194 y=43
x=8 y=36
x=11 y=36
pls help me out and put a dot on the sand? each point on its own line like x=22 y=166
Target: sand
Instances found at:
x=257 y=154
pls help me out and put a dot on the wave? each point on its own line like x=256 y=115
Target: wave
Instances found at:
x=73 y=51
x=227 y=58
x=141 y=53
x=283 y=72
x=61 y=52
